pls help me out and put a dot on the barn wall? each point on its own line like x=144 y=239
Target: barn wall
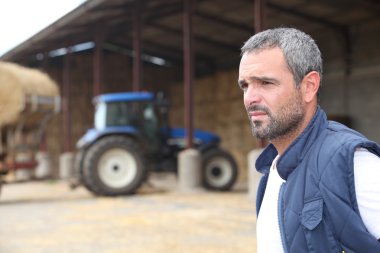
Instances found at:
x=355 y=95
x=218 y=101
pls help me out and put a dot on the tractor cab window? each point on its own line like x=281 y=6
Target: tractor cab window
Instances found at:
x=125 y=113
x=150 y=124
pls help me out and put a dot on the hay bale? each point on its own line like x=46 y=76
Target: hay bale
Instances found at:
x=11 y=97
x=32 y=81
x=17 y=82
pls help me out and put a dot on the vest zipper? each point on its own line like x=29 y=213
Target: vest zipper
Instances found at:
x=280 y=218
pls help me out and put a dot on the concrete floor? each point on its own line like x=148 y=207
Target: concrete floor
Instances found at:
x=46 y=216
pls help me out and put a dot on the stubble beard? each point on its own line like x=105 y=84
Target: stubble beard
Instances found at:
x=287 y=120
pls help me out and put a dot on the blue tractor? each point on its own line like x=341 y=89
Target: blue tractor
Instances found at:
x=131 y=137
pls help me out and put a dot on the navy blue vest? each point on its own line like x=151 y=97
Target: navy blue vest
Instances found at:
x=318 y=210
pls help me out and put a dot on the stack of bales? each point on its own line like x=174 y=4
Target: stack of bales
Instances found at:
x=218 y=107
x=18 y=82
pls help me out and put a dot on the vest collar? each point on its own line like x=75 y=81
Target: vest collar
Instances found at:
x=296 y=151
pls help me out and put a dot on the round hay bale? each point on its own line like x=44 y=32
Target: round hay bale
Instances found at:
x=11 y=97
x=16 y=82
x=33 y=81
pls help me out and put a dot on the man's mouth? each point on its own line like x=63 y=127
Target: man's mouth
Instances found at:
x=257 y=115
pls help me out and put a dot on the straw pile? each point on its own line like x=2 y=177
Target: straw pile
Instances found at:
x=17 y=82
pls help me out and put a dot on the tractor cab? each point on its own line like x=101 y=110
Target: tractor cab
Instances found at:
x=135 y=112
x=122 y=109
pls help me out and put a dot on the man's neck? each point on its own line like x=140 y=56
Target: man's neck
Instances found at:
x=283 y=142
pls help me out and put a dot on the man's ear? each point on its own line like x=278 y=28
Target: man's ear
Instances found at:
x=310 y=85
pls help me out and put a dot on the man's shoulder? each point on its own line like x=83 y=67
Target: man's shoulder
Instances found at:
x=338 y=143
x=338 y=136
x=336 y=129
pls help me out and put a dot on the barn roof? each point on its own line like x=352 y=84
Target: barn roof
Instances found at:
x=219 y=26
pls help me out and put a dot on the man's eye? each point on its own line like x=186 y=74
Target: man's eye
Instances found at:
x=243 y=86
x=266 y=82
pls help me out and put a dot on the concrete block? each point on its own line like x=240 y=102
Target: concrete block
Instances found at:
x=253 y=175
x=66 y=162
x=189 y=170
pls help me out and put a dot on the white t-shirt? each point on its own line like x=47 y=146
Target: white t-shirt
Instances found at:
x=367 y=187
x=267 y=226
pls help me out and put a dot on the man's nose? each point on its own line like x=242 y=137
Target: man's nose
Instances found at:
x=251 y=96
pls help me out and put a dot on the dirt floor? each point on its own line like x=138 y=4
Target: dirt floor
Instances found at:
x=46 y=216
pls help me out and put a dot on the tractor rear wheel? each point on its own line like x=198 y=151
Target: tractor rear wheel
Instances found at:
x=219 y=170
x=114 y=166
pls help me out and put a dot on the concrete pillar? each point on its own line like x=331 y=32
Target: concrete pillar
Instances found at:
x=253 y=175
x=43 y=168
x=189 y=170
x=66 y=162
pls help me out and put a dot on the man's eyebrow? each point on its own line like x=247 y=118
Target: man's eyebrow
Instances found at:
x=263 y=78
x=257 y=78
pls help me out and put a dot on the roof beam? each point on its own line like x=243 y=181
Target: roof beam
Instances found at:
x=225 y=22
x=202 y=39
x=164 y=10
x=168 y=53
x=308 y=17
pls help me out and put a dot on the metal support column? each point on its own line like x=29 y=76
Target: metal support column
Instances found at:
x=45 y=62
x=259 y=15
x=137 y=70
x=66 y=102
x=348 y=70
x=44 y=67
x=98 y=62
x=188 y=70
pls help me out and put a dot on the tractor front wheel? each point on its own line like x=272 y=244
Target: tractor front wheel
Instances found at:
x=114 y=166
x=219 y=170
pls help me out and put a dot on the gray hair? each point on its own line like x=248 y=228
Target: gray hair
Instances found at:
x=300 y=50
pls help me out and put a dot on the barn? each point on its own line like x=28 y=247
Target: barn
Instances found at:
x=190 y=51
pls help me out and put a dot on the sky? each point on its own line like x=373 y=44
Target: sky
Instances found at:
x=21 y=19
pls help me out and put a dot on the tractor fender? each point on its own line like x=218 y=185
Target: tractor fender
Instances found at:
x=93 y=135
x=203 y=140
x=208 y=146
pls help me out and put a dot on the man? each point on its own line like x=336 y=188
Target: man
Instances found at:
x=320 y=191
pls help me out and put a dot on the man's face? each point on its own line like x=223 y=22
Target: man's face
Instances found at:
x=274 y=105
